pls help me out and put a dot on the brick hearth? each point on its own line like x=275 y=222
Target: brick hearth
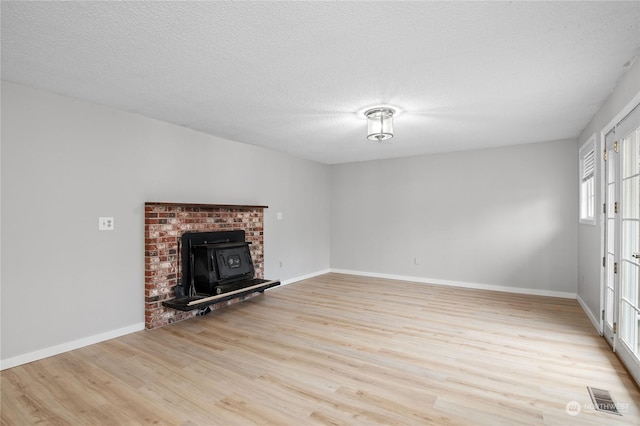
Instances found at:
x=164 y=224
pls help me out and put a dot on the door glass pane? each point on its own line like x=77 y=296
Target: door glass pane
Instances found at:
x=629 y=282
x=610 y=289
x=611 y=248
x=630 y=154
x=611 y=169
x=629 y=305
x=629 y=326
x=630 y=189
x=630 y=245
x=611 y=197
x=609 y=308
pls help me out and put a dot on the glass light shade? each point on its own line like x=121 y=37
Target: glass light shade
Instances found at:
x=379 y=124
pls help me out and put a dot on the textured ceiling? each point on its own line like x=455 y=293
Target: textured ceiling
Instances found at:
x=296 y=76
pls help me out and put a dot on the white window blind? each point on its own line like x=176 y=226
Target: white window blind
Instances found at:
x=589 y=165
x=588 y=182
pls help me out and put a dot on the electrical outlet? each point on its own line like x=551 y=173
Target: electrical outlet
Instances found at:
x=279 y=215
x=416 y=260
x=281 y=263
x=105 y=224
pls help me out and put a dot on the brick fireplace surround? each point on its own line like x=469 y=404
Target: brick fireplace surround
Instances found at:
x=164 y=224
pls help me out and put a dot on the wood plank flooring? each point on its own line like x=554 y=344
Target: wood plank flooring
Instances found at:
x=338 y=350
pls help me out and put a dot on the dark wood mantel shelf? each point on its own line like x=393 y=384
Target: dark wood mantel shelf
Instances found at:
x=206 y=206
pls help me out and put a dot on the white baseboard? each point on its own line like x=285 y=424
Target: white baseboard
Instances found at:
x=477 y=286
x=69 y=346
x=304 y=277
x=596 y=323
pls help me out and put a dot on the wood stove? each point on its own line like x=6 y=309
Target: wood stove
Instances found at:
x=216 y=266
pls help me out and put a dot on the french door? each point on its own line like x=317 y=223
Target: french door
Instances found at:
x=621 y=327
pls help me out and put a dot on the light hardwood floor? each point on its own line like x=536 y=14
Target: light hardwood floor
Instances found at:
x=338 y=349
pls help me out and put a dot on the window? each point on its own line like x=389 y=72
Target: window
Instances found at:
x=588 y=182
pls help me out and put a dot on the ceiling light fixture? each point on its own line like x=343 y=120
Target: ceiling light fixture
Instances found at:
x=379 y=124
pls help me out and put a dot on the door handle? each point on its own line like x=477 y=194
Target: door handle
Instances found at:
x=636 y=255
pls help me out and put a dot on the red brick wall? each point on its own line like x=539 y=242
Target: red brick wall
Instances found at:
x=164 y=224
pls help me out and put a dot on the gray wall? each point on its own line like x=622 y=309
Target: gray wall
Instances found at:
x=67 y=162
x=503 y=217
x=589 y=250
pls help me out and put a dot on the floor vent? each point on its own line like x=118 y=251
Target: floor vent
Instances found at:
x=602 y=400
